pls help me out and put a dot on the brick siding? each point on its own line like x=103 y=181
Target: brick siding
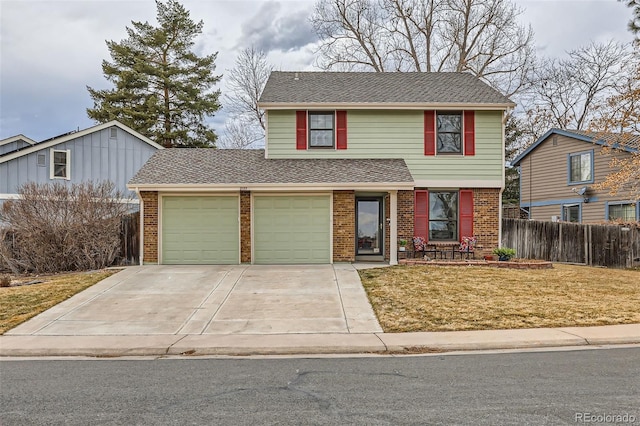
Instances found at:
x=344 y=226
x=150 y=226
x=486 y=219
x=405 y=216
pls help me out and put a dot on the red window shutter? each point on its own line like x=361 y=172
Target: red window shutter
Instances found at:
x=469 y=133
x=301 y=129
x=466 y=213
x=429 y=133
x=341 y=129
x=421 y=214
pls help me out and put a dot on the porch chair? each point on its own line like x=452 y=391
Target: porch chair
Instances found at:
x=420 y=246
x=467 y=246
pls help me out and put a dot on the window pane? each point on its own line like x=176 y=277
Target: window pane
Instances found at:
x=439 y=230
x=571 y=213
x=580 y=167
x=449 y=142
x=449 y=123
x=60 y=164
x=625 y=212
x=443 y=216
x=321 y=138
x=60 y=157
x=321 y=121
x=585 y=166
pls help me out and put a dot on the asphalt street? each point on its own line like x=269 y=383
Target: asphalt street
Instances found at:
x=554 y=387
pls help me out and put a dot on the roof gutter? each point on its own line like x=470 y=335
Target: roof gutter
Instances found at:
x=273 y=187
x=386 y=105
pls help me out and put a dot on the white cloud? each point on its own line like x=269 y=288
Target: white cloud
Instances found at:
x=50 y=50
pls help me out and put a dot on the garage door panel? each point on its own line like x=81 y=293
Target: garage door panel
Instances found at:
x=200 y=230
x=292 y=229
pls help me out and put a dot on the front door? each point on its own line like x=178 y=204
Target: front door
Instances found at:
x=369 y=229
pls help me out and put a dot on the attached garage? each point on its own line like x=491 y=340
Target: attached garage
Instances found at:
x=200 y=230
x=291 y=229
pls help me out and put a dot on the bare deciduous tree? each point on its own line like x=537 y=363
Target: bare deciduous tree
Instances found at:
x=56 y=227
x=240 y=133
x=570 y=91
x=244 y=86
x=483 y=37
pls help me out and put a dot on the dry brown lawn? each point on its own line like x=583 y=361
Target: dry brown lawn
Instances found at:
x=443 y=298
x=18 y=304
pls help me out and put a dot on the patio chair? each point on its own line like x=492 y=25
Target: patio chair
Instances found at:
x=421 y=246
x=467 y=246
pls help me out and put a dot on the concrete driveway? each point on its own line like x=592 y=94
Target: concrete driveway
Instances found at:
x=217 y=299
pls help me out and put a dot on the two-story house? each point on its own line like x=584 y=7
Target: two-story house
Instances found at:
x=109 y=151
x=352 y=163
x=558 y=173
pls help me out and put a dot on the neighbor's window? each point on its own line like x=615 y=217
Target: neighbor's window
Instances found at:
x=571 y=213
x=60 y=164
x=449 y=132
x=321 y=129
x=580 y=166
x=443 y=216
x=624 y=212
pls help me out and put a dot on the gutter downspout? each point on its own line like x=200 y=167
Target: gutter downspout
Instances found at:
x=504 y=163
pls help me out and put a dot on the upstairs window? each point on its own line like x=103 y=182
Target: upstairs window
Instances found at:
x=60 y=161
x=581 y=167
x=321 y=129
x=449 y=132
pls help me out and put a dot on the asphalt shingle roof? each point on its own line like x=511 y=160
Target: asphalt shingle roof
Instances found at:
x=386 y=87
x=233 y=166
x=627 y=139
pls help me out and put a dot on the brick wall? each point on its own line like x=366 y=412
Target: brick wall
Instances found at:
x=486 y=218
x=245 y=226
x=150 y=247
x=344 y=225
x=405 y=216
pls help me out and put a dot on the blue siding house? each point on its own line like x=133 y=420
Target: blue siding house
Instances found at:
x=109 y=151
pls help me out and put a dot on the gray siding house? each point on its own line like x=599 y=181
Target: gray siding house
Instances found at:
x=558 y=173
x=109 y=151
x=15 y=143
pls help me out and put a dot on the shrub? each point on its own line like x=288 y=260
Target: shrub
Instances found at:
x=5 y=281
x=504 y=253
x=57 y=227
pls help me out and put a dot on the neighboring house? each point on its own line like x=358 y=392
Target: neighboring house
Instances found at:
x=109 y=151
x=558 y=171
x=15 y=143
x=352 y=163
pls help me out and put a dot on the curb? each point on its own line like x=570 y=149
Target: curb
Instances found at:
x=309 y=344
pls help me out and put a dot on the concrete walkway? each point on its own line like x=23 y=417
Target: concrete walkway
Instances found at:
x=251 y=310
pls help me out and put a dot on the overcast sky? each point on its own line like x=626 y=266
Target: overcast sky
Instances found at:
x=50 y=50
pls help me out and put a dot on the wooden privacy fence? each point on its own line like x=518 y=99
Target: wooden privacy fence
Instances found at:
x=612 y=246
x=129 y=240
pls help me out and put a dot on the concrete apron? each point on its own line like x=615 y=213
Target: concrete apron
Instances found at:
x=213 y=299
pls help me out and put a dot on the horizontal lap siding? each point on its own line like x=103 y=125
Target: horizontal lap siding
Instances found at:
x=544 y=174
x=398 y=134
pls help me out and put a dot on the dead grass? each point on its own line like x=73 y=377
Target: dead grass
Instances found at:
x=18 y=304
x=441 y=298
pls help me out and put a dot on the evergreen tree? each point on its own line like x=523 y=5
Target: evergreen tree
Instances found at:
x=513 y=135
x=162 y=88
